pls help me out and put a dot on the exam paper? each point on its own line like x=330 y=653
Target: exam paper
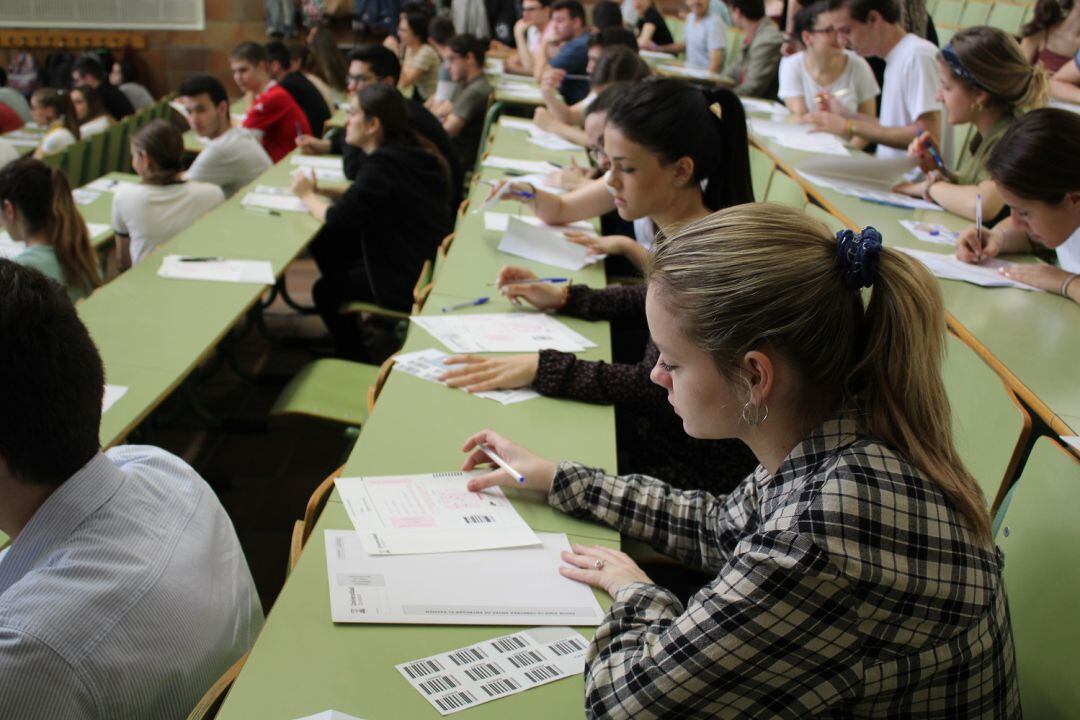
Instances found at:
x=798 y=137
x=434 y=513
x=545 y=245
x=656 y=55
x=948 y=267
x=492 y=669
x=326 y=162
x=514 y=123
x=860 y=170
x=104 y=184
x=521 y=586
x=112 y=394
x=258 y=272
x=527 y=166
x=82 y=196
x=428 y=365
x=1072 y=440
x=757 y=105
x=862 y=191
x=519 y=90
x=551 y=141
x=274 y=201
x=502 y=332
x=931 y=232
x=498 y=222
x=329 y=715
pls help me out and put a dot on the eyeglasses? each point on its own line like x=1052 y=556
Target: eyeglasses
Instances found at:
x=530 y=8
x=358 y=79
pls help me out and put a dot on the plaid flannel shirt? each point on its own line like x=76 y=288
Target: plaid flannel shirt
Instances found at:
x=846 y=587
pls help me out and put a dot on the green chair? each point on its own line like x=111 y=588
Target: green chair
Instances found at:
x=117 y=152
x=734 y=42
x=72 y=162
x=819 y=213
x=786 y=191
x=974 y=13
x=947 y=14
x=328 y=389
x=762 y=169
x=1007 y=17
x=677 y=26
x=95 y=159
x=961 y=137
x=1041 y=542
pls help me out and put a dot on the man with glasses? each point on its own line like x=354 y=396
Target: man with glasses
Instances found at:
x=909 y=103
x=530 y=34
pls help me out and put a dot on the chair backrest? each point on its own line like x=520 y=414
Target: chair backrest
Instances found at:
x=316 y=502
x=94 y=167
x=208 y=706
x=72 y=162
x=761 y=172
x=427 y=274
x=375 y=389
x=1007 y=17
x=786 y=191
x=420 y=298
x=463 y=207
x=296 y=546
x=116 y=146
x=974 y=13
x=947 y=13
x=1041 y=542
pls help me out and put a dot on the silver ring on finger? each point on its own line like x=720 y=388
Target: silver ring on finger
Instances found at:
x=598 y=564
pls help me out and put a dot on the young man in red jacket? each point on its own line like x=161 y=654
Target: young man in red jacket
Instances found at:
x=273 y=114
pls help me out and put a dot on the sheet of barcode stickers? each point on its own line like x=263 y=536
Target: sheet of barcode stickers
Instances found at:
x=495 y=668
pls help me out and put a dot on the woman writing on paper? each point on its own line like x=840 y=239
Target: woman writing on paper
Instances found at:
x=855 y=571
x=36 y=208
x=665 y=140
x=984 y=81
x=378 y=232
x=1036 y=169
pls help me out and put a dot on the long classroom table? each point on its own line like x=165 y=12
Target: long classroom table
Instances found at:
x=302 y=662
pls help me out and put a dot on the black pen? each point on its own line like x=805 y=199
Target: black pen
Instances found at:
x=201 y=259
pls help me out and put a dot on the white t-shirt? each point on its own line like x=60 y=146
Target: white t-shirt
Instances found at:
x=856 y=78
x=702 y=37
x=910 y=88
x=1068 y=253
x=230 y=161
x=645 y=232
x=8 y=152
x=93 y=127
x=56 y=140
x=152 y=214
x=533 y=37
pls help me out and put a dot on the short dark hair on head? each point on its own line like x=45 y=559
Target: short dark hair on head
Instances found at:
x=90 y=65
x=808 y=15
x=1019 y=160
x=418 y=23
x=381 y=60
x=618 y=64
x=607 y=97
x=576 y=9
x=606 y=14
x=889 y=10
x=465 y=44
x=50 y=399
x=204 y=85
x=253 y=53
x=277 y=51
x=440 y=29
x=3 y=77
x=613 y=37
x=750 y=9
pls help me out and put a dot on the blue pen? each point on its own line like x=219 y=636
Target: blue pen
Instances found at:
x=462 y=306
x=502 y=463
x=533 y=281
x=933 y=151
x=522 y=194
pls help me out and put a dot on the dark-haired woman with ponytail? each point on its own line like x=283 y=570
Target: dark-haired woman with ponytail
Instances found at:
x=36 y=208
x=676 y=155
x=152 y=212
x=1052 y=36
x=53 y=110
x=854 y=574
x=378 y=232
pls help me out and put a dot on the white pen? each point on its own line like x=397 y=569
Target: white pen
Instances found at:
x=978 y=222
x=502 y=463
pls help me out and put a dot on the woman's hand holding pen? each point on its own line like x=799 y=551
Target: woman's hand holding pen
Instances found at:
x=974 y=247
x=514 y=283
x=539 y=473
x=304 y=183
x=522 y=192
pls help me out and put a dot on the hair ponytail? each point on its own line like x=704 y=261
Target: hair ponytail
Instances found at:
x=164 y=148
x=767 y=274
x=1046 y=15
x=991 y=59
x=729 y=183
x=60 y=103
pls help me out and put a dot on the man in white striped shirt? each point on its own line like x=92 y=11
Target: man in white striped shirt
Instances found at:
x=124 y=593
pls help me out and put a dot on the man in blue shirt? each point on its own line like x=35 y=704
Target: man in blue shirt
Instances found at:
x=570 y=29
x=124 y=592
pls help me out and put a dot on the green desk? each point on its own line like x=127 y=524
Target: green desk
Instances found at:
x=100 y=211
x=303 y=663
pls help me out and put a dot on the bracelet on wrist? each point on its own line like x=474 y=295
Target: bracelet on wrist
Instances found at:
x=849 y=129
x=1064 y=291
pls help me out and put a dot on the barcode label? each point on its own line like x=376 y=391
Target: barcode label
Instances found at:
x=478 y=519
x=467 y=656
x=483 y=671
x=567 y=646
x=510 y=643
x=455 y=701
x=543 y=673
x=420 y=668
x=523 y=659
x=500 y=687
x=440 y=684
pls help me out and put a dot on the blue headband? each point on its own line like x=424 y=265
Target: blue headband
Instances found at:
x=950 y=58
x=858 y=257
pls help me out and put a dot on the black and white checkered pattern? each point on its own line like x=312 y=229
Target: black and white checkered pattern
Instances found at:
x=846 y=587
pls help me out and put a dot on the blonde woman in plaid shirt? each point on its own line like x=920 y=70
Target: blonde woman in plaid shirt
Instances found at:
x=856 y=576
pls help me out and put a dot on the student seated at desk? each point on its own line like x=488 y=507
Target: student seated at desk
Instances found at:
x=985 y=81
x=122 y=75
x=13 y=99
x=909 y=102
x=36 y=208
x=856 y=573
x=125 y=592
x=89 y=111
x=568 y=49
x=280 y=67
x=704 y=38
x=274 y=116
x=419 y=62
x=1052 y=36
x=463 y=118
x=378 y=232
x=88 y=71
x=826 y=76
x=651 y=28
x=665 y=139
x=1036 y=169
x=52 y=109
x=1065 y=85
x=231 y=157
x=150 y=213
x=754 y=69
x=575 y=176
x=323 y=62
x=531 y=33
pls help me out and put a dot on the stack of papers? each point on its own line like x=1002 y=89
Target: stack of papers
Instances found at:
x=502 y=332
x=485 y=587
x=513 y=123
x=324 y=162
x=112 y=394
x=83 y=196
x=528 y=166
x=273 y=199
x=865 y=177
x=799 y=137
x=545 y=245
x=770 y=107
x=455 y=680
x=949 y=267
x=415 y=514
x=257 y=272
x=519 y=90
x=551 y=141
x=656 y=55
x=931 y=232
x=498 y=222
x=428 y=365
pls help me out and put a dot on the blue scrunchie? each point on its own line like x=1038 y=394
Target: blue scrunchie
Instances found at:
x=858 y=257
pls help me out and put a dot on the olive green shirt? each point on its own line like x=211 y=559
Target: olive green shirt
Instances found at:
x=972 y=169
x=43 y=258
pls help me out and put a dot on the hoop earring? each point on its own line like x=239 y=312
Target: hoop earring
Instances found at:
x=758 y=416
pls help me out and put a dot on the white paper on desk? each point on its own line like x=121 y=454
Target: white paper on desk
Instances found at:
x=656 y=55
x=498 y=222
x=434 y=513
x=520 y=586
x=948 y=267
x=428 y=365
x=689 y=72
x=502 y=332
x=551 y=141
x=112 y=394
x=98 y=229
x=757 y=105
x=274 y=201
x=82 y=196
x=545 y=245
x=528 y=166
x=329 y=715
x=521 y=91
x=326 y=162
x=257 y=272
x=514 y=123
x=798 y=137
x=104 y=184
x=494 y=66
x=868 y=191
x=488 y=670
x=860 y=170
x=1072 y=440
x=24 y=142
x=930 y=232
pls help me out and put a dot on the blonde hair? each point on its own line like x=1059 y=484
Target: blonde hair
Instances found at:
x=998 y=65
x=766 y=274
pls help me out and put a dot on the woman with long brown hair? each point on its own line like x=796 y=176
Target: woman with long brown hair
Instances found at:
x=52 y=109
